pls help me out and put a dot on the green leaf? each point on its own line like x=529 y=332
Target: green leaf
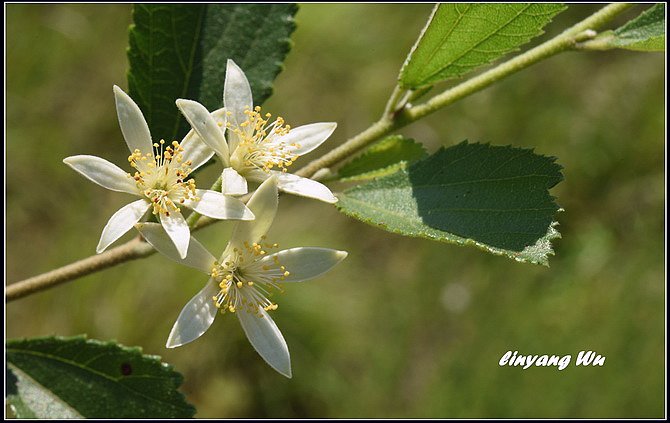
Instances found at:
x=60 y=378
x=383 y=158
x=180 y=51
x=644 y=33
x=496 y=198
x=460 y=37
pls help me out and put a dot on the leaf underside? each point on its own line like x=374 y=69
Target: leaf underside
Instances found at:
x=496 y=198
x=644 y=33
x=58 y=377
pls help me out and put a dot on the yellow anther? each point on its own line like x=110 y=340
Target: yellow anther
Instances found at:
x=239 y=284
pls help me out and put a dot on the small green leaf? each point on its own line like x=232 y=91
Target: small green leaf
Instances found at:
x=644 y=33
x=383 y=158
x=496 y=198
x=61 y=378
x=180 y=51
x=460 y=37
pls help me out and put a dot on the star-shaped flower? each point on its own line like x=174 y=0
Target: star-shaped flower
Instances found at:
x=254 y=147
x=242 y=280
x=160 y=180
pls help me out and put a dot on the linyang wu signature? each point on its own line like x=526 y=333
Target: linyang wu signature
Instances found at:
x=584 y=358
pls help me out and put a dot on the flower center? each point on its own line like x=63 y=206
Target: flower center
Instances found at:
x=245 y=284
x=262 y=147
x=160 y=177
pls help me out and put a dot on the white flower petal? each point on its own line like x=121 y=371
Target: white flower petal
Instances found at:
x=303 y=139
x=303 y=263
x=195 y=318
x=121 y=222
x=103 y=173
x=177 y=229
x=263 y=204
x=197 y=256
x=218 y=206
x=205 y=125
x=267 y=340
x=304 y=187
x=237 y=95
x=232 y=183
x=133 y=126
x=195 y=149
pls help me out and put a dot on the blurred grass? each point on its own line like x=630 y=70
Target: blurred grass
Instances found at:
x=403 y=327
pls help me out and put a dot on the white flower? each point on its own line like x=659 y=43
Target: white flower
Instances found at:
x=243 y=278
x=256 y=148
x=160 y=180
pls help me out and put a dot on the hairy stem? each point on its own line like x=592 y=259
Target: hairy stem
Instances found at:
x=565 y=41
x=131 y=250
x=374 y=132
x=562 y=42
x=391 y=120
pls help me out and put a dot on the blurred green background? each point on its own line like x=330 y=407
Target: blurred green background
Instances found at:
x=403 y=327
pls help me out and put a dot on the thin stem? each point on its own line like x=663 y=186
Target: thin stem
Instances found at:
x=390 y=121
x=564 y=41
x=374 y=132
x=392 y=102
x=597 y=44
x=131 y=250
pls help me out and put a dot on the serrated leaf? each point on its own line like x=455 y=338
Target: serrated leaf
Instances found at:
x=180 y=51
x=644 y=33
x=496 y=198
x=383 y=158
x=460 y=37
x=73 y=377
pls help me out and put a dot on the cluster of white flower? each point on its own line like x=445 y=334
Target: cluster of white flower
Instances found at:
x=252 y=148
